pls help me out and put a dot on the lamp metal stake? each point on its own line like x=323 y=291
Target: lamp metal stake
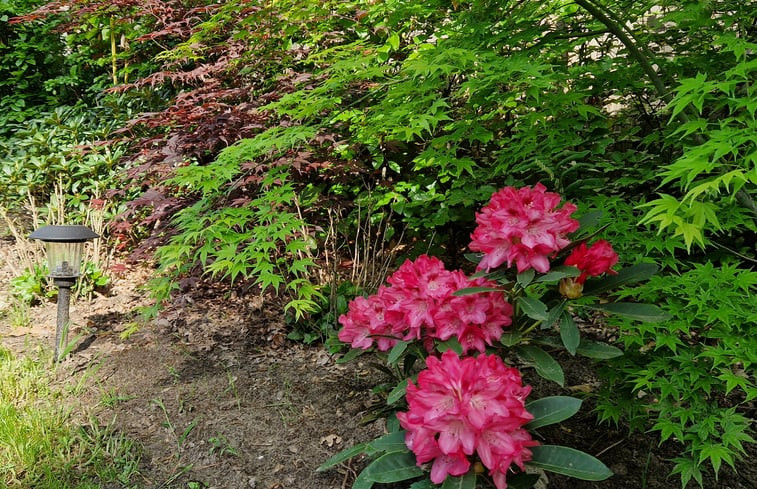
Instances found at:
x=64 y=299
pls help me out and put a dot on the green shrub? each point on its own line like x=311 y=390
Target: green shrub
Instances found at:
x=689 y=378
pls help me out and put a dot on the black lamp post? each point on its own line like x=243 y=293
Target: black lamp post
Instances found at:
x=64 y=245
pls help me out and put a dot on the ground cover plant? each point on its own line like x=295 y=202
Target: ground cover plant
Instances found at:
x=262 y=133
x=43 y=445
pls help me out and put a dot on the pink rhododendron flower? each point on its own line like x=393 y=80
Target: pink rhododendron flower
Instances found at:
x=420 y=305
x=468 y=406
x=522 y=226
x=593 y=261
x=370 y=321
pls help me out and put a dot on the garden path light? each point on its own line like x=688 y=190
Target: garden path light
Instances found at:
x=64 y=246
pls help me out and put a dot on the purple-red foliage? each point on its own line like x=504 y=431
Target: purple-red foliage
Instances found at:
x=232 y=67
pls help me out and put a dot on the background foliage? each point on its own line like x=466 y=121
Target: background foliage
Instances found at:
x=255 y=143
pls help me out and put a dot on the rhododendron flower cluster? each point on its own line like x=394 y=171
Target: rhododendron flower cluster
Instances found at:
x=468 y=406
x=522 y=226
x=593 y=260
x=419 y=305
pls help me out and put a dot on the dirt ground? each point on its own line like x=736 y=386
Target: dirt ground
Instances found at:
x=216 y=396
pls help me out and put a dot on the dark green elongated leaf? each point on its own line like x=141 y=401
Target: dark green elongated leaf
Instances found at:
x=570 y=462
x=393 y=467
x=344 y=455
x=474 y=257
x=587 y=348
x=647 y=313
x=350 y=355
x=392 y=423
x=397 y=393
x=362 y=482
x=510 y=338
x=598 y=350
x=390 y=443
x=422 y=484
x=554 y=314
x=396 y=352
x=545 y=365
x=569 y=333
x=467 y=481
x=556 y=273
x=526 y=277
x=533 y=308
x=551 y=410
x=522 y=481
x=451 y=344
x=475 y=290
x=632 y=274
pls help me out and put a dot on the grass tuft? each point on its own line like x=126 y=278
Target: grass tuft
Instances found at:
x=41 y=443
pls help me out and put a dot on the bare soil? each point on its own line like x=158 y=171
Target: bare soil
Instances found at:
x=215 y=395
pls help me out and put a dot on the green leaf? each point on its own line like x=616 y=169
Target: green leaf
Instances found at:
x=533 y=308
x=525 y=278
x=557 y=273
x=466 y=481
x=390 y=443
x=475 y=290
x=474 y=257
x=570 y=462
x=343 y=455
x=510 y=338
x=598 y=350
x=554 y=314
x=632 y=274
x=350 y=355
x=545 y=365
x=393 y=467
x=451 y=344
x=397 y=393
x=551 y=410
x=687 y=468
x=569 y=334
x=423 y=484
x=647 y=313
x=397 y=352
x=362 y=482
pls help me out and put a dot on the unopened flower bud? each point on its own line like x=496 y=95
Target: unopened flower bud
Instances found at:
x=570 y=288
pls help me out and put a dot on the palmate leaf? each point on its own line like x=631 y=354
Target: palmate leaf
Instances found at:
x=570 y=462
x=551 y=410
x=394 y=466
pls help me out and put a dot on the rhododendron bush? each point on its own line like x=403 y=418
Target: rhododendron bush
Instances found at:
x=463 y=420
